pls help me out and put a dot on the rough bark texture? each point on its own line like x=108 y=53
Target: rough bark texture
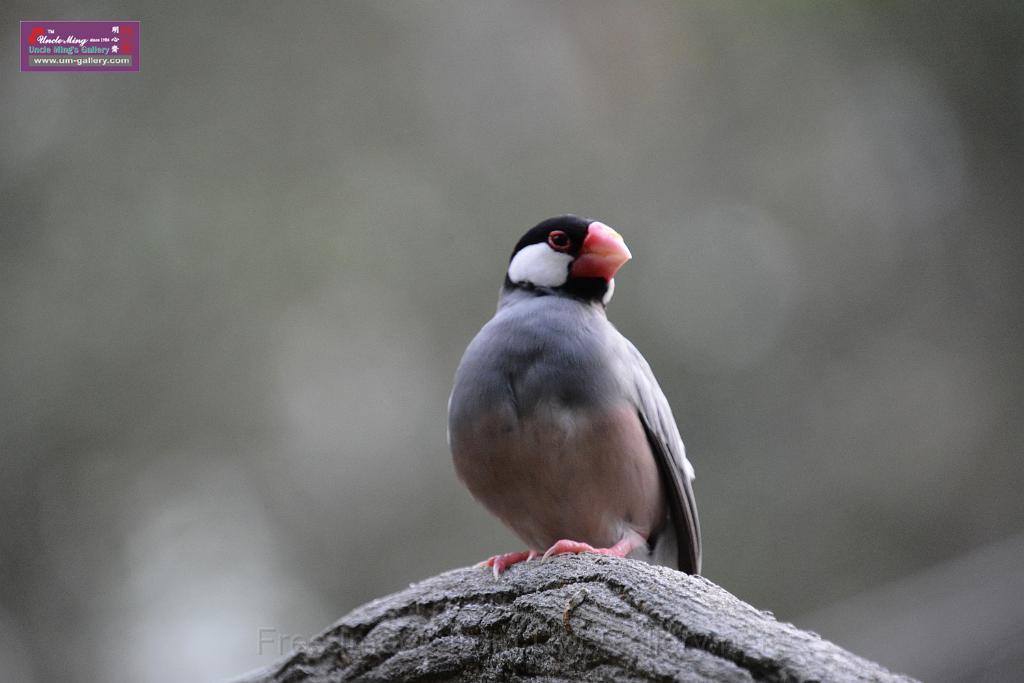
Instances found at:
x=572 y=618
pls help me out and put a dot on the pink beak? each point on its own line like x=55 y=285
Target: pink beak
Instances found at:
x=603 y=253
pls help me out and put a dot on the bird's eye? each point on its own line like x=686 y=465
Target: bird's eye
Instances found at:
x=558 y=240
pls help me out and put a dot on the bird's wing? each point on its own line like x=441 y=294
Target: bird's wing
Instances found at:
x=676 y=471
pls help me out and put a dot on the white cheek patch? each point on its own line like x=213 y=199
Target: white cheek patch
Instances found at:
x=540 y=265
x=610 y=293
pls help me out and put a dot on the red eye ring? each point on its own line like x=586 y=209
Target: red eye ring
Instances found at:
x=559 y=241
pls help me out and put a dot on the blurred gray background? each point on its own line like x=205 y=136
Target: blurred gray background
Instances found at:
x=234 y=288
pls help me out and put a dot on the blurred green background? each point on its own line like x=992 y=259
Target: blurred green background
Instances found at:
x=235 y=285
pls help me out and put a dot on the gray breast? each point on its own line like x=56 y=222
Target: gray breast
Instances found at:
x=544 y=431
x=535 y=352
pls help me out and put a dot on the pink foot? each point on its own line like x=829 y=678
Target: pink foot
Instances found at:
x=566 y=547
x=500 y=563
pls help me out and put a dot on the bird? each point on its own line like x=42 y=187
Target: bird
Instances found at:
x=556 y=423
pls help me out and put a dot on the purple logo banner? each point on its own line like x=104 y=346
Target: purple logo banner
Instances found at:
x=80 y=45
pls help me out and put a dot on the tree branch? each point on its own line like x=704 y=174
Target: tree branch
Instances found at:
x=585 y=617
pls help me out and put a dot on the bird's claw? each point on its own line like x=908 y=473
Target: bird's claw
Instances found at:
x=569 y=547
x=499 y=563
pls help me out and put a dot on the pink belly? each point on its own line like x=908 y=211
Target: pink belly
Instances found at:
x=558 y=475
